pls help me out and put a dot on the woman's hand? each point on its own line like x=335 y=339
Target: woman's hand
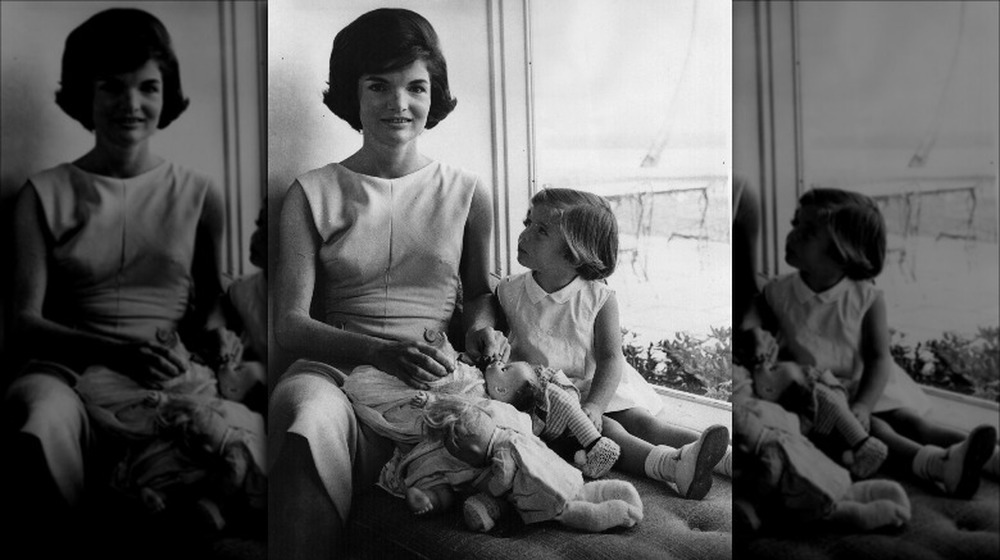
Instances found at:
x=416 y=363
x=487 y=342
x=148 y=363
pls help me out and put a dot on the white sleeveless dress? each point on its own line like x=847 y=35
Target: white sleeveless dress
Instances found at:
x=557 y=330
x=824 y=330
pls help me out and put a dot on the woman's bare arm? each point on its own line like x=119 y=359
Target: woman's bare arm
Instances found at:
x=38 y=336
x=480 y=309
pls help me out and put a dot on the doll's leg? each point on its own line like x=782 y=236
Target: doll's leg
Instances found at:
x=436 y=498
x=955 y=468
x=689 y=467
x=871 y=504
x=592 y=517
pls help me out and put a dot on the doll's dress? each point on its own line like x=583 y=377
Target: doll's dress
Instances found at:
x=120 y=266
x=530 y=475
x=824 y=330
x=429 y=464
x=557 y=330
x=384 y=402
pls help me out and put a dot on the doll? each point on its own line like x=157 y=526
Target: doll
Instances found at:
x=394 y=409
x=521 y=470
x=821 y=402
x=784 y=478
x=209 y=452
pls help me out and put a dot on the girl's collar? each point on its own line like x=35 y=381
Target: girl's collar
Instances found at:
x=536 y=293
x=804 y=293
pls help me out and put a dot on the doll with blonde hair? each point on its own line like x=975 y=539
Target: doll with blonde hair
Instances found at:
x=522 y=470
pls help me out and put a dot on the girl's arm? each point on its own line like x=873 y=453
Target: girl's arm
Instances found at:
x=415 y=362
x=877 y=361
x=39 y=337
x=609 y=361
x=481 y=311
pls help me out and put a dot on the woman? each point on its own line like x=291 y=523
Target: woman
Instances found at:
x=110 y=249
x=383 y=239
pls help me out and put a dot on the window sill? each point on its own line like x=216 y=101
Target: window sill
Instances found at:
x=693 y=411
x=962 y=412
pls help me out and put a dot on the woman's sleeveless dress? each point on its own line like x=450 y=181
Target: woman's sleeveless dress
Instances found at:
x=557 y=330
x=120 y=266
x=824 y=330
x=387 y=267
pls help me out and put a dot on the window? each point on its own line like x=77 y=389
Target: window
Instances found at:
x=632 y=101
x=899 y=100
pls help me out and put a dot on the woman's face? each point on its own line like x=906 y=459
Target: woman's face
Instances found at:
x=394 y=105
x=541 y=244
x=127 y=106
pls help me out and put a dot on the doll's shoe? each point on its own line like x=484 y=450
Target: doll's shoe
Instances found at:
x=964 y=461
x=695 y=462
x=481 y=512
x=868 y=457
x=598 y=460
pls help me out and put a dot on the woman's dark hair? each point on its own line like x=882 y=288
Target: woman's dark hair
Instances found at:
x=380 y=41
x=856 y=227
x=113 y=42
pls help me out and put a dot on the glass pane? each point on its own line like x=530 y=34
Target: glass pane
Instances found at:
x=899 y=100
x=632 y=101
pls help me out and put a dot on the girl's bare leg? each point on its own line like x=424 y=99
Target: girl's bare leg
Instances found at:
x=434 y=499
x=919 y=429
x=640 y=423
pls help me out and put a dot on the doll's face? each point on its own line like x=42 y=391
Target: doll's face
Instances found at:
x=771 y=381
x=504 y=381
x=471 y=447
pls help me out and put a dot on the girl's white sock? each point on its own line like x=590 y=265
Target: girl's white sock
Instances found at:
x=725 y=465
x=661 y=463
x=992 y=466
x=922 y=462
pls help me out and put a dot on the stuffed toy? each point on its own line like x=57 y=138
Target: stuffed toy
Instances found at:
x=821 y=403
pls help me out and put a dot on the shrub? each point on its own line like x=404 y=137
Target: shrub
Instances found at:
x=702 y=366
x=961 y=363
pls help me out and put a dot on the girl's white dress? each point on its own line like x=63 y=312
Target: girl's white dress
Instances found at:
x=557 y=330
x=824 y=330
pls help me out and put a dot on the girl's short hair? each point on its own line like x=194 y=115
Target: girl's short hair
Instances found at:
x=451 y=418
x=379 y=41
x=856 y=226
x=112 y=42
x=589 y=228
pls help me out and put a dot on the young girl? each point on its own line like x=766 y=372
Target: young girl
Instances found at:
x=563 y=315
x=830 y=315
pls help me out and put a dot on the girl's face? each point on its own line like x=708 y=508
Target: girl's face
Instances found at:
x=541 y=244
x=127 y=106
x=808 y=246
x=394 y=105
x=504 y=380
